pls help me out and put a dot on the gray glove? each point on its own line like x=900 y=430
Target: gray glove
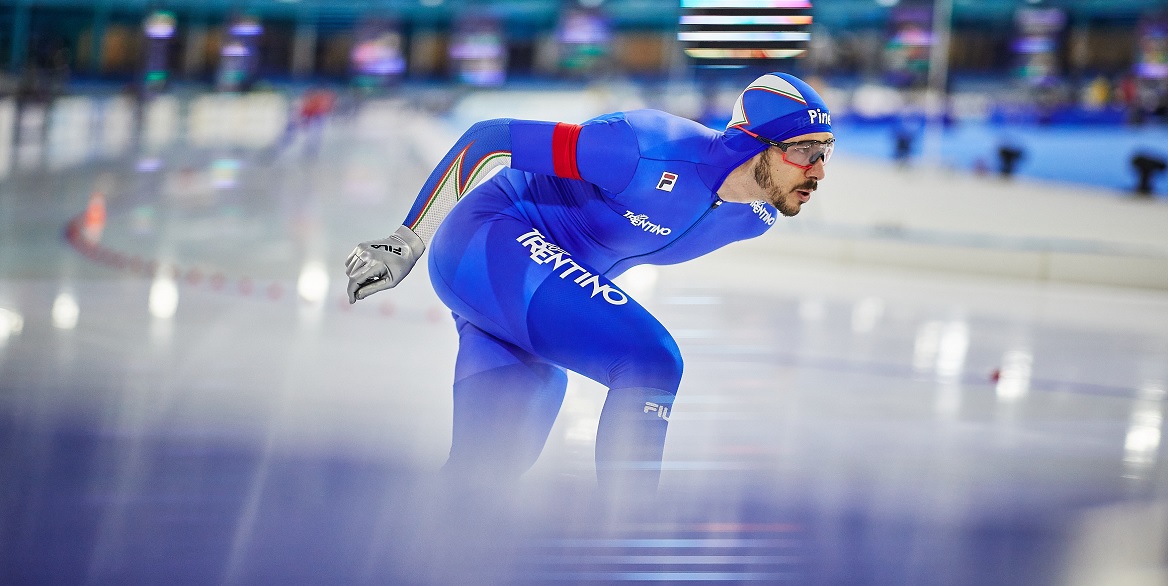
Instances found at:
x=378 y=265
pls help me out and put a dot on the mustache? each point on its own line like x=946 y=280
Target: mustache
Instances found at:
x=809 y=185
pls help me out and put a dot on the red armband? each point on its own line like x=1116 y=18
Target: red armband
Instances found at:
x=564 y=138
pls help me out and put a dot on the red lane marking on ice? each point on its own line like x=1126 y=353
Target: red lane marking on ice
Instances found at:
x=87 y=245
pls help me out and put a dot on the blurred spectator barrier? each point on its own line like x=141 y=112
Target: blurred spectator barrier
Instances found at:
x=253 y=120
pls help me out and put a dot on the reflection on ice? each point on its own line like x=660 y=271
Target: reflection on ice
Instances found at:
x=866 y=313
x=312 y=287
x=1014 y=377
x=163 y=296
x=1141 y=445
x=313 y=284
x=11 y=324
x=951 y=350
x=66 y=312
x=812 y=309
x=225 y=173
x=941 y=347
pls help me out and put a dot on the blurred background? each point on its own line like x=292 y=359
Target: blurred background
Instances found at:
x=888 y=65
x=950 y=368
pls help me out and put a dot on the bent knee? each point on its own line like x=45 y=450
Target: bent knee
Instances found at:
x=657 y=366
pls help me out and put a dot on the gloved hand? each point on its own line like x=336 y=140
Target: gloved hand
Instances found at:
x=378 y=265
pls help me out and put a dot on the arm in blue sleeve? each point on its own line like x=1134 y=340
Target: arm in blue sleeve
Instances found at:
x=481 y=148
x=608 y=153
x=602 y=151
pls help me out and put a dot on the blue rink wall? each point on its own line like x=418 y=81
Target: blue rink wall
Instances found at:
x=1089 y=155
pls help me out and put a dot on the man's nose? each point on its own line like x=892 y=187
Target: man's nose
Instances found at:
x=816 y=171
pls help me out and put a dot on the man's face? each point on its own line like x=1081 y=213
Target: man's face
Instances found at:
x=787 y=186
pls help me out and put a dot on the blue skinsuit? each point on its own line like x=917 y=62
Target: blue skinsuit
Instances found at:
x=524 y=261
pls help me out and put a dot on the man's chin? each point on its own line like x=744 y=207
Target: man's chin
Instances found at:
x=789 y=210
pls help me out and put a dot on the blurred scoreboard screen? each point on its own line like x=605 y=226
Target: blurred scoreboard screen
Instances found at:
x=377 y=55
x=479 y=50
x=584 y=36
x=1152 y=62
x=742 y=32
x=910 y=41
x=1036 y=45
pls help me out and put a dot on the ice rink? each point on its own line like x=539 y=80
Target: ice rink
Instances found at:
x=926 y=378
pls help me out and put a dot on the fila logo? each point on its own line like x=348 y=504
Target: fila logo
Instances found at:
x=642 y=221
x=661 y=410
x=818 y=116
x=394 y=249
x=667 y=181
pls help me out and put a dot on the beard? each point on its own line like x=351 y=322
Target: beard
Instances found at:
x=786 y=201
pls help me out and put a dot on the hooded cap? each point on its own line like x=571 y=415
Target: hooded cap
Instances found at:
x=779 y=106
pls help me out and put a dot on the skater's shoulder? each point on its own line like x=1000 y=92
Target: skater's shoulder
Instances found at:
x=662 y=135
